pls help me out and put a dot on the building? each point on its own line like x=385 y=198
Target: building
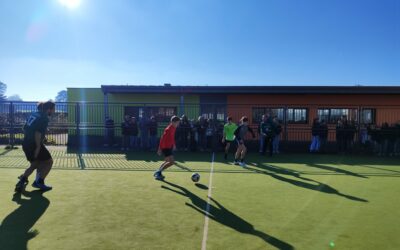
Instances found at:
x=295 y=106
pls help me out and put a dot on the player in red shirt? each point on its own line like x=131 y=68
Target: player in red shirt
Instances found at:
x=167 y=146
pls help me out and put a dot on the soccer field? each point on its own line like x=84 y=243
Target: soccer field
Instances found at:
x=109 y=200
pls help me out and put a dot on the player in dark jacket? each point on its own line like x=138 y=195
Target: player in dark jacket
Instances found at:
x=33 y=145
x=240 y=134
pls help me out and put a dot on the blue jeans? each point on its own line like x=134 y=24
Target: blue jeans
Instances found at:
x=262 y=143
x=275 y=144
x=133 y=141
x=315 y=143
x=153 y=142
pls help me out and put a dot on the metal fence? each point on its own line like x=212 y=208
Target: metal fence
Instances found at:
x=83 y=123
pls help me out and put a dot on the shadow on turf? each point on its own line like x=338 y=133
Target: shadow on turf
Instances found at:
x=201 y=186
x=277 y=172
x=6 y=152
x=15 y=229
x=225 y=217
x=337 y=170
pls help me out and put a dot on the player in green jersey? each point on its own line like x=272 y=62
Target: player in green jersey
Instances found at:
x=229 y=135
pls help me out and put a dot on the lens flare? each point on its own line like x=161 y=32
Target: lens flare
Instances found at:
x=70 y=4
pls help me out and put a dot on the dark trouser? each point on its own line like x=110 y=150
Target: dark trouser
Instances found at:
x=153 y=142
x=268 y=144
x=342 y=144
x=125 y=141
x=202 y=141
x=109 y=137
x=183 y=141
x=144 y=141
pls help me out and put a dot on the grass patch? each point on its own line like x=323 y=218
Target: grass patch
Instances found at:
x=289 y=201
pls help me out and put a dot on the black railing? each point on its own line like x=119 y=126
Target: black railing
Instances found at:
x=83 y=123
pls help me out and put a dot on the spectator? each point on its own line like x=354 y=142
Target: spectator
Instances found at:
x=276 y=139
x=183 y=133
x=201 y=127
x=262 y=135
x=374 y=134
x=109 y=135
x=268 y=131
x=134 y=132
x=364 y=140
x=385 y=133
x=396 y=149
x=323 y=136
x=210 y=134
x=193 y=136
x=315 y=131
x=350 y=132
x=144 y=133
x=125 y=133
x=340 y=134
x=392 y=140
x=153 y=132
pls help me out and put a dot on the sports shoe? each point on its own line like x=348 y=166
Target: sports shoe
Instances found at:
x=41 y=186
x=158 y=176
x=236 y=163
x=242 y=164
x=23 y=181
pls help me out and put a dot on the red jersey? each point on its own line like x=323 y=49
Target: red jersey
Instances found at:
x=168 y=138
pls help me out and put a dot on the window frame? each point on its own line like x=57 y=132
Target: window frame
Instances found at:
x=267 y=110
x=292 y=121
x=329 y=120
x=373 y=115
x=138 y=112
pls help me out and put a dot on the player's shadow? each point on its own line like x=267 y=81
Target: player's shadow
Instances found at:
x=225 y=217
x=16 y=228
x=337 y=170
x=277 y=172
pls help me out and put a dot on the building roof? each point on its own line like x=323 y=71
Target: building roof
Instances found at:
x=168 y=89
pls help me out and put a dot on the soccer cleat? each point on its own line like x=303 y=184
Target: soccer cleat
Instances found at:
x=41 y=186
x=242 y=164
x=236 y=162
x=158 y=176
x=23 y=181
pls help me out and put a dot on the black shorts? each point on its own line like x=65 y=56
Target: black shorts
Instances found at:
x=238 y=142
x=228 y=141
x=29 y=150
x=167 y=152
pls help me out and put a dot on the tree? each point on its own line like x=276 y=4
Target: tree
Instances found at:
x=61 y=96
x=15 y=98
x=3 y=88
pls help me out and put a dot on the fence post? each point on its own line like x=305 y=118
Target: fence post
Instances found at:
x=77 y=124
x=12 y=132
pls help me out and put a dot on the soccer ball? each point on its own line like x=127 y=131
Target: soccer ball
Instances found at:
x=195 y=177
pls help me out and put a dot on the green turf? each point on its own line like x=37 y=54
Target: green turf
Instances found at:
x=105 y=200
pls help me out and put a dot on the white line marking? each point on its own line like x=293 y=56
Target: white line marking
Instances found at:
x=205 y=232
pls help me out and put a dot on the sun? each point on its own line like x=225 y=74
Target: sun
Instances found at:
x=70 y=4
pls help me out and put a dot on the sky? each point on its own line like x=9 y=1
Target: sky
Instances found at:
x=49 y=45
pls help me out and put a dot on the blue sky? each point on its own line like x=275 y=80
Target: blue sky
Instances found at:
x=46 y=47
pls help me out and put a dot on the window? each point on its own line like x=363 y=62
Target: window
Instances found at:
x=368 y=116
x=297 y=115
x=259 y=112
x=162 y=114
x=335 y=114
x=208 y=111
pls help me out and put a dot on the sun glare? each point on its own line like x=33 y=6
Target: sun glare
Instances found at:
x=70 y=4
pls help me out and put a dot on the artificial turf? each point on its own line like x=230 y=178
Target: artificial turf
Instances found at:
x=109 y=200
